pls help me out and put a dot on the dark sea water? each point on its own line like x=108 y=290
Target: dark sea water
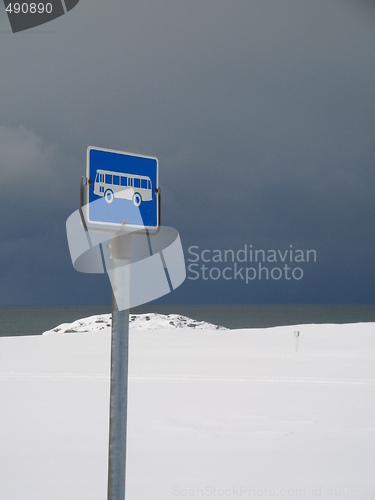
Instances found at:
x=34 y=320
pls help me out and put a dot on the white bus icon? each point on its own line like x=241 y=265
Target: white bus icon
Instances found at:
x=133 y=187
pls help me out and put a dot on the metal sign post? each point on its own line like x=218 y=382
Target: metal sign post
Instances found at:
x=121 y=255
x=120 y=196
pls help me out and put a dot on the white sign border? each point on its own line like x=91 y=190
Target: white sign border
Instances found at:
x=116 y=226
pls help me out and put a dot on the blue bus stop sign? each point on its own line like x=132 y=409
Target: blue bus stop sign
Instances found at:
x=122 y=189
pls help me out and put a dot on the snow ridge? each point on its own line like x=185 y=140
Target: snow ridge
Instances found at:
x=151 y=321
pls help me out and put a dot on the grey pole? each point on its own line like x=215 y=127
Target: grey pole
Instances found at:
x=296 y=334
x=121 y=255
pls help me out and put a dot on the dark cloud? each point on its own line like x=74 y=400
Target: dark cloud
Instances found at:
x=261 y=115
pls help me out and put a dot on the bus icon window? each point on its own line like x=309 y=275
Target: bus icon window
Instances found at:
x=136 y=188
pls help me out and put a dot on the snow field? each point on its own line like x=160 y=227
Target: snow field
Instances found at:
x=212 y=413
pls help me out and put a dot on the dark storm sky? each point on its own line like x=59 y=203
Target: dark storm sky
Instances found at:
x=262 y=116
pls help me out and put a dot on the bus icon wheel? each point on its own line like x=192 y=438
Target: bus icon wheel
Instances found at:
x=137 y=199
x=108 y=195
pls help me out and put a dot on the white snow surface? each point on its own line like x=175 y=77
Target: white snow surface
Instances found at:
x=257 y=413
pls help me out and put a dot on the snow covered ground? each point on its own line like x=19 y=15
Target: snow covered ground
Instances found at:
x=212 y=413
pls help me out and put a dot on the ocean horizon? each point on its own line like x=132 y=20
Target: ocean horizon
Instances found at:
x=19 y=320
